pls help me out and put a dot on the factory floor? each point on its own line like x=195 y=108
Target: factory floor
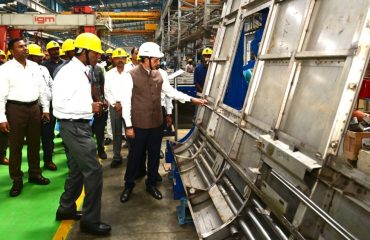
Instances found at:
x=142 y=217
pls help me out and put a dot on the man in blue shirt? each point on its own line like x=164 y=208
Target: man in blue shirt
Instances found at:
x=200 y=71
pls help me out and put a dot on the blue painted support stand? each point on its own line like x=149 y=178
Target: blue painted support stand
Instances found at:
x=183 y=213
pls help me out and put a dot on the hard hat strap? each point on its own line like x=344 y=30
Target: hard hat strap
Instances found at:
x=87 y=57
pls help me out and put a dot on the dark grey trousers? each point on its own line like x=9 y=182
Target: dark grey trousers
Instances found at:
x=84 y=170
x=116 y=122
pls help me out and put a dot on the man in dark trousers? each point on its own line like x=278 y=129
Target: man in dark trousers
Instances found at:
x=21 y=88
x=142 y=112
x=100 y=119
x=74 y=107
x=47 y=133
x=3 y=136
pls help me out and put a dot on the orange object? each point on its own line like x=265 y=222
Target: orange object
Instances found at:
x=359 y=115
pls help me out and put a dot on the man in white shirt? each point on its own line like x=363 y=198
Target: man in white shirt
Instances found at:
x=134 y=59
x=3 y=136
x=113 y=81
x=74 y=107
x=142 y=113
x=21 y=88
x=47 y=127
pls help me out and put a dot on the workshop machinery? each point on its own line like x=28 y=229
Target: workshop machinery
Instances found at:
x=274 y=169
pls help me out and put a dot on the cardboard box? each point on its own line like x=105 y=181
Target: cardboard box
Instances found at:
x=363 y=162
x=353 y=143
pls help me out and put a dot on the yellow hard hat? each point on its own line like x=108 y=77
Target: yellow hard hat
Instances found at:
x=119 y=52
x=52 y=44
x=61 y=52
x=2 y=53
x=207 y=51
x=8 y=54
x=109 y=51
x=89 y=41
x=68 y=45
x=36 y=50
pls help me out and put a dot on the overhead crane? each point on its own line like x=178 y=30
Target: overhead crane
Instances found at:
x=14 y=24
x=140 y=16
x=134 y=32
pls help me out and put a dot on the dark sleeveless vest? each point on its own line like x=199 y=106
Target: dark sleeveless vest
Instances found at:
x=146 y=110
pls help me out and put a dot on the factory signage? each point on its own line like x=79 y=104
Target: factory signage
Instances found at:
x=44 y=19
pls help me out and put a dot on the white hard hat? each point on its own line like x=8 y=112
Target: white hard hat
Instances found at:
x=150 y=49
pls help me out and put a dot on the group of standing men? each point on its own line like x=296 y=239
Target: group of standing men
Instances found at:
x=26 y=89
x=74 y=97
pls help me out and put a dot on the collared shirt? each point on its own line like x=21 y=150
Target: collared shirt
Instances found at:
x=51 y=66
x=48 y=81
x=129 y=66
x=23 y=84
x=166 y=101
x=113 y=85
x=167 y=89
x=72 y=92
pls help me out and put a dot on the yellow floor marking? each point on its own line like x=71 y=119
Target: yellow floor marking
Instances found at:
x=66 y=225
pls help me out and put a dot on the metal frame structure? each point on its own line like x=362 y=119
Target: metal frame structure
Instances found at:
x=275 y=170
x=188 y=26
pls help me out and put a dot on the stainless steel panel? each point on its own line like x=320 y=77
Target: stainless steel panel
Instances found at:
x=192 y=179
x=205 y=217
x=235 y=5
x=248 y=155
x=286 y=33
x=270 y=93
x=229 y=41
x=351 y=216
x=206 y=117
x=215 y=88
x=220 y=204
x=313 y=107
x=333 y=21
x=225 y=133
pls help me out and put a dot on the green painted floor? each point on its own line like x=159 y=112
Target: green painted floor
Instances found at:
x=31 y=215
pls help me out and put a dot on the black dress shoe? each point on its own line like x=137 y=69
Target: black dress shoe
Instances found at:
x=59 y=216
x=154 y=192
x=100 y=228
x=39 y=179
x=125 y=196
x=16 y=188
x=158 y=178
x=115 y=163
x=102 y=155
x=50 y=165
